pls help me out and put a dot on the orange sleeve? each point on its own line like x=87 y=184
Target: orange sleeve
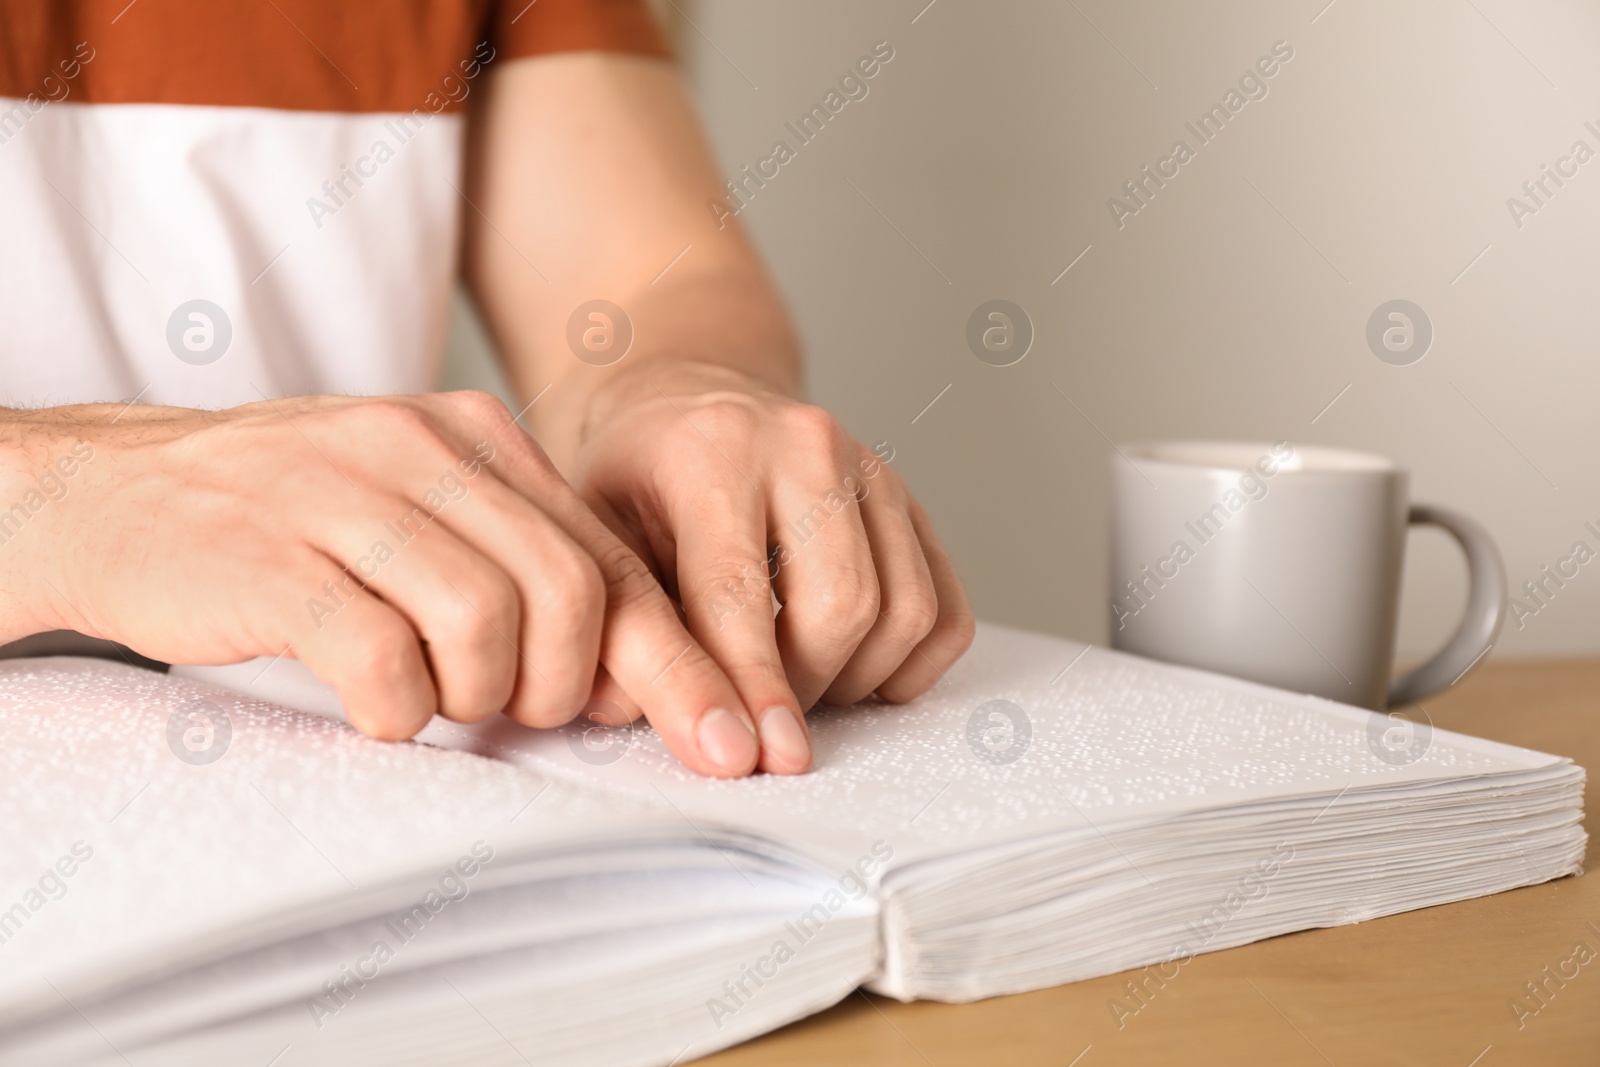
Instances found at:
x=314 y=55
x=522 y=28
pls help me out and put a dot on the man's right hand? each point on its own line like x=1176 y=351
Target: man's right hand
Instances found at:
x=420 y=554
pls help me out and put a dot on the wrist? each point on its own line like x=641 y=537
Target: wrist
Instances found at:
x=661 y=379
x=43 y=459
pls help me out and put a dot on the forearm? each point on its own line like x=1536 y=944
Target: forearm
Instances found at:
x=632 y=225
x=597 y=213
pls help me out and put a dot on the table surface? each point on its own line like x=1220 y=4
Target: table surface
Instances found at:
x=1434 y=986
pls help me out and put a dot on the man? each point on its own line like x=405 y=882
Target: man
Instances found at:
x=247 y=218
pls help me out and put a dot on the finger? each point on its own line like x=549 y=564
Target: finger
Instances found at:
x=952 y=632
x=370 y=655
x=681 y=689
x=827 y=584
x=908 y=604
x=609 y=704
x=721 y=535
x=658 y=551
x=560 y=594
x=440 y=456
x=644 y=645
x=462 y=606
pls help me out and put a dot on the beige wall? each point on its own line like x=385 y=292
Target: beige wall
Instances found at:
x=1234 y=304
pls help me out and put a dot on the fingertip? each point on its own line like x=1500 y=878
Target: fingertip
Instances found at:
x=371 y=657
x=392 y=722
x=390 y=705
x=727 y=743
x=785 y=743
x=605 y=712
x=609 y=703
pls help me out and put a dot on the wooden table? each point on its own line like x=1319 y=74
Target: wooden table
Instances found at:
x=1429 y=987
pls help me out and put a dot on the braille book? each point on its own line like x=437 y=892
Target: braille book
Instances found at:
x=194 y=876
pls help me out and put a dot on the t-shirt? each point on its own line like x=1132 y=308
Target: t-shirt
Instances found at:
x=208 y=202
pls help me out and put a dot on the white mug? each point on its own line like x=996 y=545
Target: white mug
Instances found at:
x=1282 y=564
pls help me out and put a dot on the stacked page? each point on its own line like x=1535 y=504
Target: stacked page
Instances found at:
x=323 y=898
x=500 y=895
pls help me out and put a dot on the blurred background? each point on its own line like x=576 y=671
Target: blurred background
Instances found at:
x=1233 y=303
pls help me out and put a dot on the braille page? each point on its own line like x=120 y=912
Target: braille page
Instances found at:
x=134 y=829
x=1028 y=734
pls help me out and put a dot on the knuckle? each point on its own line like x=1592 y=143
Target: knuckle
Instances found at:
x=878 y=477
x=690 y=660
x=484 y=607
x=737 y=578
x=479 y=405
x=528 y=453
x=571 y=581
x=913 y=611
x=627 y=579
x=396 y=427
x=459 y=617
x=383 y=652
x=849 y=605
x=518 y=452
x=958 y=629
x=814 y=425
x=726 y=416
x=392 y=419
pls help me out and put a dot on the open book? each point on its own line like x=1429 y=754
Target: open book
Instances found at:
x=189 y=876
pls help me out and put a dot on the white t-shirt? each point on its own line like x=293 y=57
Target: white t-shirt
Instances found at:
x=208 y=204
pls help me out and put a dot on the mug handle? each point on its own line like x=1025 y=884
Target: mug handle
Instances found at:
x=1486 y=607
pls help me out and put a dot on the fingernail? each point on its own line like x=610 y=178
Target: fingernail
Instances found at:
x=727 y=740
x=783 y=738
